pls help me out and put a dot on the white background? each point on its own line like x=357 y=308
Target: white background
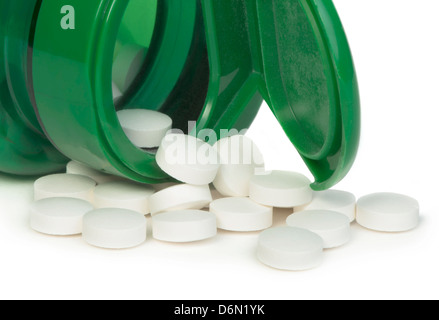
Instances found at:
x=396 y=49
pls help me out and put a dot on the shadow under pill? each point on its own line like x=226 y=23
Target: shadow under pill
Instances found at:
x=280 y=216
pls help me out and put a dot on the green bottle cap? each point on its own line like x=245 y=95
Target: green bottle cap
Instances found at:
x=311 y=83
x=295 y=53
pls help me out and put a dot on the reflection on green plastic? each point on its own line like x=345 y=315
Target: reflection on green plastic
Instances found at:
x=133 y=41
x=208 y=60
x=138 y=22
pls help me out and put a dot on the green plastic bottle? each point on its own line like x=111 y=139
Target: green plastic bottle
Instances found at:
x=205 y=60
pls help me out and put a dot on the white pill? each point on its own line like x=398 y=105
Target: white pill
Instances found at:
x=188 y=159
x=123 y=195
x=333 y=227
x=184 y=226
x=333 y=200
x=144 y=128
x=180 y=197
x=59 y=216
x=241 y=214
x=240 y=158
x=75 y=167
x=114 y=228
x=280 y=189
x=388 y=212
x=64 y=186
x=289 y=248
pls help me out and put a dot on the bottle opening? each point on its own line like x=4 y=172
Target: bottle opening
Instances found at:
x=160 y=64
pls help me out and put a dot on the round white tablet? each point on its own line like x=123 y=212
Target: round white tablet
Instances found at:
x=333 y=200
x=333 y=227
x=64 y=186
x=180 y=197
x=241 y=214
x=75 y=167
x=59 y=216
x=114 y=228
x=184 y=226
x=144 y=128
x=188 y=159
x=388 y=212
x=289 y=248
x=240 y=158
x=280 y=189
x=123 y=195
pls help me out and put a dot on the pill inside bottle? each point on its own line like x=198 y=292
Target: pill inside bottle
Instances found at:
x=150 y=74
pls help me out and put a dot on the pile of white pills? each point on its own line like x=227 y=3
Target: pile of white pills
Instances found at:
x=224 y=186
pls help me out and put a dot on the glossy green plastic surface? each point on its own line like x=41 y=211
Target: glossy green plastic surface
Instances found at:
x=205 y=60
x=24 y=149
x=76 y=105
x=133 y=41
